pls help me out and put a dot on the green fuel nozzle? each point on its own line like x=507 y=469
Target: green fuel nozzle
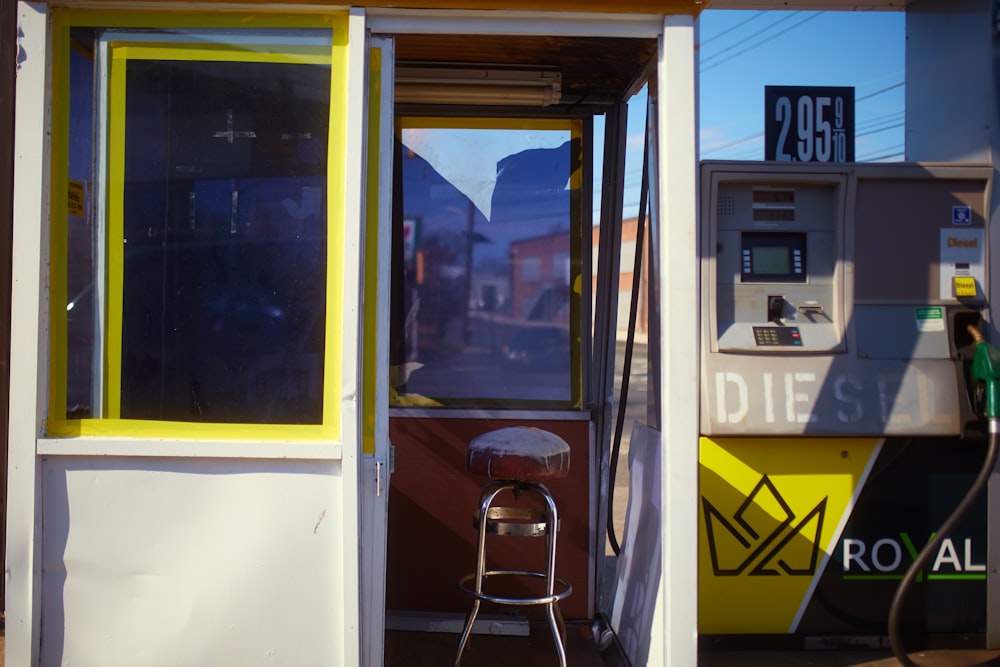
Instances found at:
x=986 y=374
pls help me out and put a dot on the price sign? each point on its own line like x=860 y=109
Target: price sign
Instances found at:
x=809 y=124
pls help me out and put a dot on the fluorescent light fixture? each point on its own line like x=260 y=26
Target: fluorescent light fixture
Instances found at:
x=475 y=85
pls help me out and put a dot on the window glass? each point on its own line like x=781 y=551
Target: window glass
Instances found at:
x=80 y=294
x=491 y=215
x=224 y=239
x=204 y=268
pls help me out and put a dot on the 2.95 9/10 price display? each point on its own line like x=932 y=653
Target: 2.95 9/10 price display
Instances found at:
x=809 y=124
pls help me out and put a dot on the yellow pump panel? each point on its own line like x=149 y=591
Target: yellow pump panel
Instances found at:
x=770 y=513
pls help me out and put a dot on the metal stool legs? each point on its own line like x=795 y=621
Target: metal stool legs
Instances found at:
x=522 y=522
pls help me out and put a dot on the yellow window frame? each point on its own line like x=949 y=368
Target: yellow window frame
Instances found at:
x=335 y=55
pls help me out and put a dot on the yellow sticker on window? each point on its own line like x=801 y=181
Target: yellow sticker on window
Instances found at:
x=75 y=200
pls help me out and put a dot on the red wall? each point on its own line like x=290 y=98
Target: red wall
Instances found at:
x=432 y=499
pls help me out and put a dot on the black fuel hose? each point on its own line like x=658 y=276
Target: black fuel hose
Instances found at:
x=920 y=562
x=640 y=236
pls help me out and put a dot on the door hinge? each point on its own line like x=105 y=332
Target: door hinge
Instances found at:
x=383 y=469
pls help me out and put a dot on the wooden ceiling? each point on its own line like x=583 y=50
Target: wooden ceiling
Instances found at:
x=595 y=70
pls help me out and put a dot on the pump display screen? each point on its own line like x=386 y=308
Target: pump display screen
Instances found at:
x=771 y=260
x=773 y=257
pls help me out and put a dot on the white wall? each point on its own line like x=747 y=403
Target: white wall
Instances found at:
x=149 y=561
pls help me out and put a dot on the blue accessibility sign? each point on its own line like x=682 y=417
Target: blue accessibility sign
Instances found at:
x=961 y=215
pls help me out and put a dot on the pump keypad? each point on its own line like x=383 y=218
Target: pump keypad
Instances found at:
x=773 y=336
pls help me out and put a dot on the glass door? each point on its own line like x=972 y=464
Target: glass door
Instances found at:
x=377 y=455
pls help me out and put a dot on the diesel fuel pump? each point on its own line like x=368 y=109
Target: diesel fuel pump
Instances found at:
x=835 y=410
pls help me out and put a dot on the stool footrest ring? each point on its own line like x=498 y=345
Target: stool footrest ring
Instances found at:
x=565 y=587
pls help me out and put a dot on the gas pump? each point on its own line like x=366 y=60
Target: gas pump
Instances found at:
x=841 y=310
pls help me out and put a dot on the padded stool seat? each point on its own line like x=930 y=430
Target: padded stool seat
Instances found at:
x=517 y=459
x=521 y=453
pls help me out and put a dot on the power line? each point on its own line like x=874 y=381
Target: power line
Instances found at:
x=751 y=137
x=744 y=40
x=898 y=149
x=729 y=30
x=879 y=92
x=751 y=153
x=897 y=117
x=714 y=62
x=881 y=129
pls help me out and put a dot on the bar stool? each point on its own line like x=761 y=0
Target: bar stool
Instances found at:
x=517 y=459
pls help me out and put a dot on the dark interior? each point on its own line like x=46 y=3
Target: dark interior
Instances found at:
x=595 y=70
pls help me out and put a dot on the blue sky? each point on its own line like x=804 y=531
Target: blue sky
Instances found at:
x=744 y=51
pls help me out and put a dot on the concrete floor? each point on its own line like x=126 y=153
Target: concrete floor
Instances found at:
x=955 y=658
x=407 y=649
x=444 y=646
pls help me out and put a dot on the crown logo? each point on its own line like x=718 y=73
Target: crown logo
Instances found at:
x=764 y=536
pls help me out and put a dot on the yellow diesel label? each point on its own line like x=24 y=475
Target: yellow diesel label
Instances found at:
x=771 y=510
x=965 y=286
